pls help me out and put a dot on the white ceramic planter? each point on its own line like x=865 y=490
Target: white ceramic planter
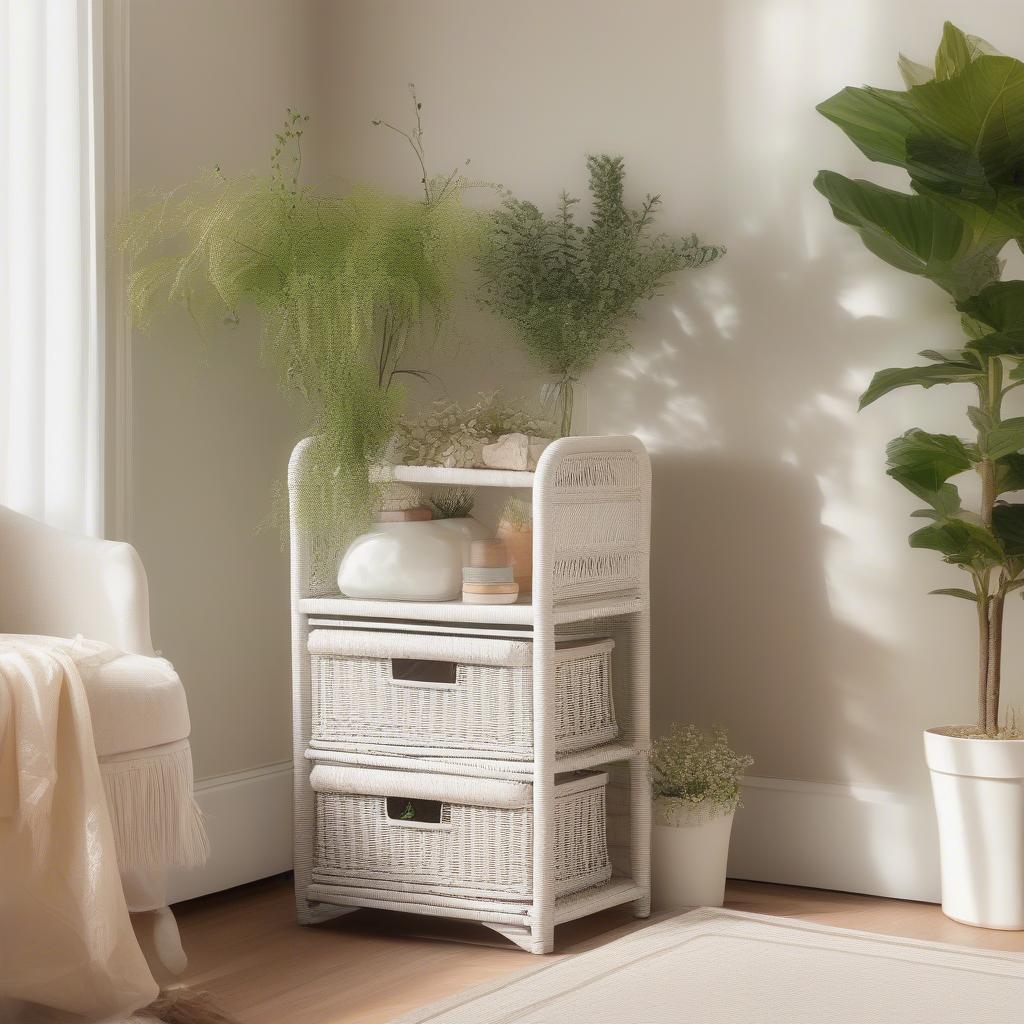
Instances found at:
x=418 y=561
x=688 y=861
x=978 y=787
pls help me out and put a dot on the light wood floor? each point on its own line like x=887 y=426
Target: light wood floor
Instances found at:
x=246 y=950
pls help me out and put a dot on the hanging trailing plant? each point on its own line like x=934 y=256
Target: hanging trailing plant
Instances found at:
x=341 y=283
x=568 y=290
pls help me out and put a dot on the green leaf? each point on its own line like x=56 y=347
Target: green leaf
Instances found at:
x=885 y=381
x=999 y=306
x=967 y=595
x=1009 y=473
x=1005 y=439
x=910 y=232
x=926 y=460
x=877 y=121
x=913 y=73
x=967 y=143
x=956 y=51
x=945 y=502
x=980 y=106
x=951 y=355
x=960 y=543
x=1008 y=526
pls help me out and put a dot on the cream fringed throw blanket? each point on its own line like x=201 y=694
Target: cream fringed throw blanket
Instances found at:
x=67 y=949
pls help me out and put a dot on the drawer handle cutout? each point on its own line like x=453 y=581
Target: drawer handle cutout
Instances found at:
x=431 y=675
x=417 y=814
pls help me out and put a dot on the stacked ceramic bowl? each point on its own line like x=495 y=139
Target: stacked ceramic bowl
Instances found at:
x=489 y=579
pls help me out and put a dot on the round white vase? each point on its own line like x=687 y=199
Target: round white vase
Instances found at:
x=978 y=786
x=417 y=561
x=688 y=860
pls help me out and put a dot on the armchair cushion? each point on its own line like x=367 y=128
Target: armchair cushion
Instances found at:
x=135 y=702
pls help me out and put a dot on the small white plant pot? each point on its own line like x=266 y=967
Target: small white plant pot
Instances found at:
x=978 y=786
x=417 y=561
x=688 y=859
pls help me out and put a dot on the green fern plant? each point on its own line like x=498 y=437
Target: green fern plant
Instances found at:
x=568 y=290
x=341 y=283
x=453 y=502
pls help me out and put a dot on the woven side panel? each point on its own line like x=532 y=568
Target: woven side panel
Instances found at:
x=586 y=575
x=597 y=526
x=599 y=470
x=581 y=845
x=584 y=708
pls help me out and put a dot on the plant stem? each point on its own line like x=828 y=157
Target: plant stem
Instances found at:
x=991 y=638
x=566 y=394
x=995 y=649
x=983 y=656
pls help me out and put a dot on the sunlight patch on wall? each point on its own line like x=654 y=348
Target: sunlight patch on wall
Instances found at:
x=861 y=550
x=864 y=299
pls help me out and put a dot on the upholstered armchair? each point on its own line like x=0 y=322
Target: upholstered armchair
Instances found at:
x=55 y=583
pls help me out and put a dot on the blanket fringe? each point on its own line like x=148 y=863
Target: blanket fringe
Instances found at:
x=155 y=818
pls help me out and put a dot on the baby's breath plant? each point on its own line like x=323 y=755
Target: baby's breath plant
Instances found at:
x=453 y=502
x=341 y=283
x=568 y=290
x=448 y=433
x=695 y=773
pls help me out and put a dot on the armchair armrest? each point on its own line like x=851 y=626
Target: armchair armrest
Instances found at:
x=60 y=584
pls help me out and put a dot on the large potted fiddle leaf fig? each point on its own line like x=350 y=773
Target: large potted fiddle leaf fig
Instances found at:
x=958 y=132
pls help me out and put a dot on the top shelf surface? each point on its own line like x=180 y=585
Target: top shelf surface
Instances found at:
x=456 y=477
x=521 y=613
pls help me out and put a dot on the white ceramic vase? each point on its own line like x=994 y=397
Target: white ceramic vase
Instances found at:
x=688 y=859
x=978 y=786
x=417 y=561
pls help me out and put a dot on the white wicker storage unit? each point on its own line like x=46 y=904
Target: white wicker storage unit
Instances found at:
x=528 y=835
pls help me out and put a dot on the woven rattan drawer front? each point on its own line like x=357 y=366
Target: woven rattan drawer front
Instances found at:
x=376 y=690
x=482 y=846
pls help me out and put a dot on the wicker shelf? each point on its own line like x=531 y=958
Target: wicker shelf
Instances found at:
x=440 y=476
x=521 y=613
x=591 y=523
x=613 y=893
x=605 y=753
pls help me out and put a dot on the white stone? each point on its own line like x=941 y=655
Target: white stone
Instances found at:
x=510 y=451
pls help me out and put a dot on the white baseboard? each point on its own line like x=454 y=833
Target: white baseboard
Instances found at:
x=847 y=838
x=249 y=820
x=820 y=835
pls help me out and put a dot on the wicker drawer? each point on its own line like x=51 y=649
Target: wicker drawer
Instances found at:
x=481 y=844
x=456 y=695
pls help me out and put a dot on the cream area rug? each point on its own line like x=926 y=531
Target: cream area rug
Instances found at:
x=724 y=967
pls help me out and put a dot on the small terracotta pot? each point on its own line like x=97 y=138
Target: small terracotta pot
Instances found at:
x=520 y=549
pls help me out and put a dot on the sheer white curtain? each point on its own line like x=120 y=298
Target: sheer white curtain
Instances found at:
x=51 y=261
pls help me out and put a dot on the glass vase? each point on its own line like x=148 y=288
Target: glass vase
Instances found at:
x=564 y=404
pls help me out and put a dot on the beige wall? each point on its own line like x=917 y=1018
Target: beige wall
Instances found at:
x=787 y=604
x=210 y=81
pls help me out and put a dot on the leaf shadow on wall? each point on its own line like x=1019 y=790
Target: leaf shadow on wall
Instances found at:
x=748 y=398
